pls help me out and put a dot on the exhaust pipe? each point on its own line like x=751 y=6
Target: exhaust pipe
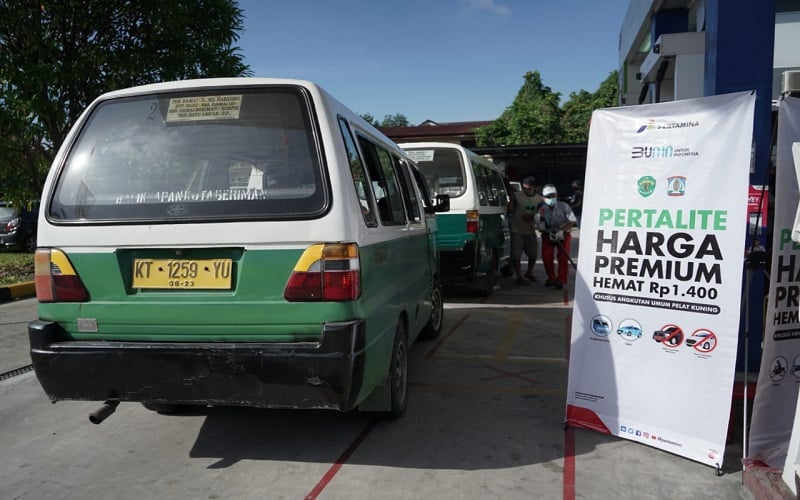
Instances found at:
x=103 y=412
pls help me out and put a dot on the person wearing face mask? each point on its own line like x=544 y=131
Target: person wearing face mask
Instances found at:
x=556 y=219
x=522 y=211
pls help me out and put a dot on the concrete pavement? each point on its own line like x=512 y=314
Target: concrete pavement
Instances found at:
x=485 y=421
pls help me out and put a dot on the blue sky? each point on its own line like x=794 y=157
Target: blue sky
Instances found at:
x=443 y=60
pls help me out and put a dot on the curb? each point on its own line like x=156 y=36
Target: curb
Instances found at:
x=18 y=291
x=766 y=483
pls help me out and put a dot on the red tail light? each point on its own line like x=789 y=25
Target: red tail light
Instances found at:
x=472 y=221
x=13 y=224
x=56 y=279
x=325 y=272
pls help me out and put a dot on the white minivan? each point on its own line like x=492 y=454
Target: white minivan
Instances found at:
x=245 y=242
x=473 y=235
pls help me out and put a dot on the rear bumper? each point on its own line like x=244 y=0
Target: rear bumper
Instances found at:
x=9 y=239
x=458 y=265
x=327 y=374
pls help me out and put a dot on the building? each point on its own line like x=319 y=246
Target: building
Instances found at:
x=681 y=49
x=462 y=133
x=558 y=164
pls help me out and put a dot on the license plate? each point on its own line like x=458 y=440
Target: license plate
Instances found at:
x=199 y=274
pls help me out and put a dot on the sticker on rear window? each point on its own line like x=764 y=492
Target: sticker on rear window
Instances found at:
x=212 y=107
x=419 y=155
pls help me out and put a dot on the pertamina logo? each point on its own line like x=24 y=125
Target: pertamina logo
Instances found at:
x=653 y=125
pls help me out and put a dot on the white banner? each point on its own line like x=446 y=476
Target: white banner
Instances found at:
x=658 y=290
x=779 y=375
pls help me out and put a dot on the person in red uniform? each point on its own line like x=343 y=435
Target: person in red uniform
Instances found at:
x=556 y=219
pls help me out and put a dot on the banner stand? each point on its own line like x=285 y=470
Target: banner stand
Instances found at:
x=658 y=297
x=756 y=260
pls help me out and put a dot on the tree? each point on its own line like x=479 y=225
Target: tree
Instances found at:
x=533 y=118
x=395 y=120
x=57 y=56
x=575 y=118
x=577 y=111
x=370 y=119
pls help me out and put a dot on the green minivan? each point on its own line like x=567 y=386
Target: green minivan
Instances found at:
x=244 y=241
x=473 y=236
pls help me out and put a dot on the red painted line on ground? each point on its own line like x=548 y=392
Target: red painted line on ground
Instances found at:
x=569 y=464
x=450 y=332
x=328 y=477
x=569 y=432
x=568 y=335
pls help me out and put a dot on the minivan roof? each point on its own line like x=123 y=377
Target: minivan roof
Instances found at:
x=209 y=82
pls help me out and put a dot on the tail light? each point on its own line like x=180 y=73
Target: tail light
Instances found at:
x=472 y=221
x=325 y=272
x=13 y=224
x=56 y=279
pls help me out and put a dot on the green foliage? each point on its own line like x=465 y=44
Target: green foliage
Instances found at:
x=56 y=57
x=533 y=117
x=395 y=120
x=370 y=119
x=575 y=117
x=536 y=118
x=15 y=267
x=577 y=111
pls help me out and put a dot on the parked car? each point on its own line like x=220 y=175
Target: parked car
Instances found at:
x=670 y=334
x=18 y=226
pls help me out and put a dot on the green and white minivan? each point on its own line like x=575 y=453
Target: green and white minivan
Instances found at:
x=246 y=242
x=473 y=237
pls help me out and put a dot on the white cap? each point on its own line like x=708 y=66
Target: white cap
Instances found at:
x=549 y=189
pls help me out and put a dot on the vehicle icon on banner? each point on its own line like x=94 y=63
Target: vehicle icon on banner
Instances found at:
x=777 y=369
x=630 y=329
x=601 y=325
x=669 y=335
x=702 y=340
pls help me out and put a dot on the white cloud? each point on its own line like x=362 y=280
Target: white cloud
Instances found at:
x=489 y=5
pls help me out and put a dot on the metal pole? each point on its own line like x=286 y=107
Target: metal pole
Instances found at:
x=747 y=277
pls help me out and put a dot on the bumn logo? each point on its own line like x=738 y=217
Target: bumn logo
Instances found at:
x=652 y=152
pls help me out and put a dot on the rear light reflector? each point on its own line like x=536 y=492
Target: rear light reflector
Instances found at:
x=325 y=272
x=56 y=279
x=472 y=221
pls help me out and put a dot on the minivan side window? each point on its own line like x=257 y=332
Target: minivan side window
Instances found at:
x=482 y=183
x=499 y=195
x=424 y=189
x=385 y=185
x=359 y=175
x=409 y=194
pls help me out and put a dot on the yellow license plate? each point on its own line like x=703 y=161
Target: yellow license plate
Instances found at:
x=200 y=274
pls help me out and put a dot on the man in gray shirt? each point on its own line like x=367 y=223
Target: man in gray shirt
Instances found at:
x=522 y=210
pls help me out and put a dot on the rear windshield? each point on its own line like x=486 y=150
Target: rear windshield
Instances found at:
x=443 y=168
x=7 y=212
x=202 y=155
